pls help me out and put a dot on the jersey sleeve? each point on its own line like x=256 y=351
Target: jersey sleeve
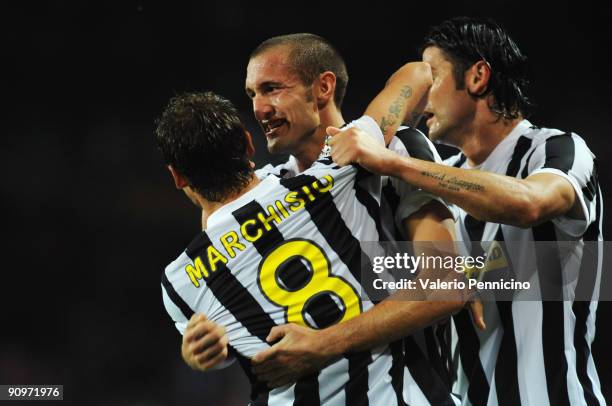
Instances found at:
x=180 y=320
x=411 y=142
x=568 y=156
x=184 y=292
x=177 y=295
x=370 y=126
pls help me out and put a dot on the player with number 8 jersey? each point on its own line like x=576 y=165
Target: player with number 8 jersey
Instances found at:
x=303 y=234
x=277 y=251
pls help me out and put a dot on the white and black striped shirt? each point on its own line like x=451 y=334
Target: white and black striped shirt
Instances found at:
x=400 y=199
x=535 y=352
x=288 y=251
x=426 y=379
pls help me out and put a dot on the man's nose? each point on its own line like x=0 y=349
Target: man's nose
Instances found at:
x=262 y=108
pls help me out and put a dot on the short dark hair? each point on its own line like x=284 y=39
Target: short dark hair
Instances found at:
x=310 y=55
x=466 y=40
x=202 y=137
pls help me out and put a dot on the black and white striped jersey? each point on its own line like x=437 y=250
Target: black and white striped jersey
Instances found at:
x=400 y=199
x=287 y=169
x=426 y=381
x=288 y=251
x=535 y=352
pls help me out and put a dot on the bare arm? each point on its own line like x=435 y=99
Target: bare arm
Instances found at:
x=492 y=197
x=403 y=313
x=484 y=195
x=403 y=98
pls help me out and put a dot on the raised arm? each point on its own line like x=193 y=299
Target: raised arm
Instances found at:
x=403 y=98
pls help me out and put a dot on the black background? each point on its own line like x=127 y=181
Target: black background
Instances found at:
x=90 y=216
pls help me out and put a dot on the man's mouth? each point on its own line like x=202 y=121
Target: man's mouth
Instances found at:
x=269 y=126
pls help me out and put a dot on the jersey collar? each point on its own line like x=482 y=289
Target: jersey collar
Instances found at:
x=496 y=157
x=219 y=215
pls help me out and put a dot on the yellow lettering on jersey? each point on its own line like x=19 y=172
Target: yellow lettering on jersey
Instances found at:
x=295 y=203
x=308 y=193
x=273 y=217
x=215 y=256
x=246 y=235
x=230 y=241
x=324 y=187
x=281 y=208
x=197 y=272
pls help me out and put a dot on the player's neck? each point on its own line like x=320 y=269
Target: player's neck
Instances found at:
x=483 y=135
x=310 y=151
x=209 y=207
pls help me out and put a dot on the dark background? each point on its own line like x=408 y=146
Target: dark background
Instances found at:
x=90 y=216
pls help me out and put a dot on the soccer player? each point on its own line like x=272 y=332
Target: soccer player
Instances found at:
x=297 y=84
x=282 y=250
x=517 y=183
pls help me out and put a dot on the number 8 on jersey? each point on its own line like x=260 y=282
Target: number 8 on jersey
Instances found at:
x=295 y=297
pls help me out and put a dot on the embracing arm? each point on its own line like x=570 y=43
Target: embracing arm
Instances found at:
x=484 y=195
x=491 y=197
x=300 y=350
x=403 y=313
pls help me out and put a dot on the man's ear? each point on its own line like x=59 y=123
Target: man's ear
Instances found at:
x=325 y=87
x=250 y=150
x=179 y=180
x=477 y=78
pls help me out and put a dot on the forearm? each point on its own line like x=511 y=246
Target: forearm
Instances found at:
x=431 y=230
x=388 y=321
x=484 y=195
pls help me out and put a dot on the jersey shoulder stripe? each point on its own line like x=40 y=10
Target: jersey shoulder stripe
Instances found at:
x=176 y=298
x=416 y=144
x=523 y=144
x=560 y=152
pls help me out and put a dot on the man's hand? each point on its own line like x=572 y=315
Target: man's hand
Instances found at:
x=204 y=343
x=356 y=146
x=299 y=352
x=476 y=309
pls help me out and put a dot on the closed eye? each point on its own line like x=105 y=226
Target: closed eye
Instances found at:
x=270 y=88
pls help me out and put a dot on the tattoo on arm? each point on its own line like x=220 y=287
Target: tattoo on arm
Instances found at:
x=414 y=119
x=455 y=184
x=395 y=109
